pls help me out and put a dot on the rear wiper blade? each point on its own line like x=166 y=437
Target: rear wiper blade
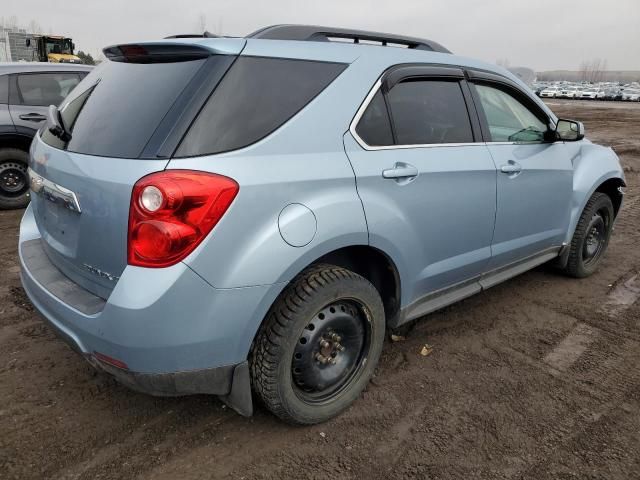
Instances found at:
x=55 y=124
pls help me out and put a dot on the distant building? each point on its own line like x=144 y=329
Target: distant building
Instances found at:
x=13 y=45
x=525 y=74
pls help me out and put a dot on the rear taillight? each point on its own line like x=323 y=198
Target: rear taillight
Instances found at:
x=172 y=211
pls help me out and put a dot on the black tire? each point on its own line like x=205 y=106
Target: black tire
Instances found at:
x=287 y=361
x=14 y=180
x=591 y=238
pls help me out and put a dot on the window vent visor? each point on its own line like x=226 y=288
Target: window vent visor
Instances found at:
x=155 y=53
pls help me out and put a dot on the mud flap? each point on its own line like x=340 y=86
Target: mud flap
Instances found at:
x=239 y=398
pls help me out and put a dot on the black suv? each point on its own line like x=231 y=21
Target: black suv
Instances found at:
x=26 y=91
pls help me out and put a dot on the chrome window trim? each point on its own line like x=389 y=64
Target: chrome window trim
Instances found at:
x=367 y=100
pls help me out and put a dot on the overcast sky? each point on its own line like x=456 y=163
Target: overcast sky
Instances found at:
x=541 y=34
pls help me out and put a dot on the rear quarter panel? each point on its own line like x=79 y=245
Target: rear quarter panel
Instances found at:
x=303 y=162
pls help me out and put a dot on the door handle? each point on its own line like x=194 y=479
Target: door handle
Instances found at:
x=511 y=167
x=33 y=117
x=400 y=171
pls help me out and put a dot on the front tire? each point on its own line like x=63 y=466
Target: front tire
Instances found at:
x=14 y=180
x=591 y=238
x=319 y=345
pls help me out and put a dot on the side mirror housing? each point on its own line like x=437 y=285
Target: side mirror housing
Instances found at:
x=569 y=130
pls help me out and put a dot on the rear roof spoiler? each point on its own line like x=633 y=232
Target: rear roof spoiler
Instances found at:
x=155 y=53
x=314 y=33
x=195 y=35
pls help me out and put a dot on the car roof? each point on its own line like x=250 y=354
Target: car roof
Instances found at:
x=334 y=51
x=319 y=33
x=32 y=67
x=372 y=59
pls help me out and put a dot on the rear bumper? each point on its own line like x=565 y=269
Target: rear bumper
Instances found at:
x=215 y=381
x=230 y=382
x=170 y=331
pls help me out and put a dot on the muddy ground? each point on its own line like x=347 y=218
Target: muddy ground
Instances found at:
x=536 y=378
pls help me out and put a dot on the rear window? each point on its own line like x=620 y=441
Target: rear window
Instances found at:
x=256 y=96
x=118 y=106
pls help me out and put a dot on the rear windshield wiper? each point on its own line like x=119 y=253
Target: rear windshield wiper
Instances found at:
x=55 y=124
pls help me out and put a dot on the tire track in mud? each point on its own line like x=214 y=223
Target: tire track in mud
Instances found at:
x=131 y=452
x=569 y=350
x=623 y=295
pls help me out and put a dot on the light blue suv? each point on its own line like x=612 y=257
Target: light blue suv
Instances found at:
x=238 y=215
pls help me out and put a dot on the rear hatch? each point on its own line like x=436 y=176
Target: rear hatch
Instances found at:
x=125 y=120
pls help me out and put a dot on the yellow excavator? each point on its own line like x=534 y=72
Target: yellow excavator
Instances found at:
x=54 y=49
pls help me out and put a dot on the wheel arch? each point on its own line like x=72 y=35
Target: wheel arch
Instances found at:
x=610 y=183
x=15 y=140
x=374 y=265
x=365 y=260
x=612 y=188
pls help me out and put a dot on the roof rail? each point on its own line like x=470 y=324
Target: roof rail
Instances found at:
x=194 y=35
x=314 y=33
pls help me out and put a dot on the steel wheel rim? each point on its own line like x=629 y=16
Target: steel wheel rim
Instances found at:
x=13 y=178
x=331 y=351
x=596 y=237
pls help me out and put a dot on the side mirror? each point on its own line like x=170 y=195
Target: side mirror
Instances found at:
x=569 y=130
x=28 y=42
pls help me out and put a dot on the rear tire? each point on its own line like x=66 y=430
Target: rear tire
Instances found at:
x=591 y=238
x=14 y=180
x=319 y=345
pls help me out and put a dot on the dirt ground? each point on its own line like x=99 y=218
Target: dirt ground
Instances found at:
x=536 y=378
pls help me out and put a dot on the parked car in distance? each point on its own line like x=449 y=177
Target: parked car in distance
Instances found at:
x=26 y=91
x=630 y=95
x=205 y=234
x=549 y=92
x=594 y=93
x=567 y=92
x=613 y=93
x=538 y=88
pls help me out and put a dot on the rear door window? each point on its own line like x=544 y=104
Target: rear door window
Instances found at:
x=374 y=127
x=44 y=89
x=256 y=96
x=429 y=112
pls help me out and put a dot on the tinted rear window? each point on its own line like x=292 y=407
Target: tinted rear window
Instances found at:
x=256 y=96
x=118 y=106
x=374 y=126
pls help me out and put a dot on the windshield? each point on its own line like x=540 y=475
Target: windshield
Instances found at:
x=59 y=46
